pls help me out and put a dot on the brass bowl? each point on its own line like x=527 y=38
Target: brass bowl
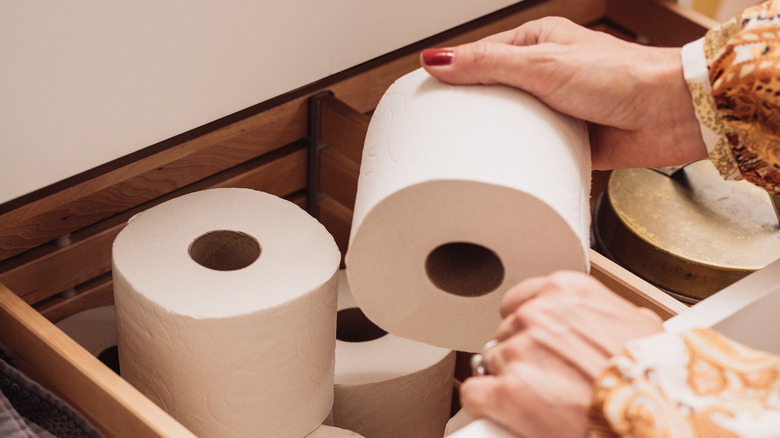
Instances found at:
x=689 y=232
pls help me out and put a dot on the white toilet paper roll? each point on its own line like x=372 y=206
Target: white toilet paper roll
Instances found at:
x=458 y=421
x=94 y=329
x=226 y=312
x=464 y=191
x=387 y=386
x=482 y=429
x=332 y=432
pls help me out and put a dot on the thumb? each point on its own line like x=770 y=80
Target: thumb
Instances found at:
x=535 y=68
x=486 y=397
x=479 y=396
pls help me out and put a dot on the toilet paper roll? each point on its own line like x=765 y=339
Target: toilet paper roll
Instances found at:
x=458 y=421
x=482 y=429
x=387 y=386
x=463 y=192
x=226 y=312
x=94 y=329
x=332 y=432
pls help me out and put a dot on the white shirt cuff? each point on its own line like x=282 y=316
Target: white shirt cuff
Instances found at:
x=694 y=64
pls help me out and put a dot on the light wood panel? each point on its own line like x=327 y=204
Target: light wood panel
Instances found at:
x=633 y=288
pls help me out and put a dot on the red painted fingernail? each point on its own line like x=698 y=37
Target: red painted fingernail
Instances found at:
x=437 y=57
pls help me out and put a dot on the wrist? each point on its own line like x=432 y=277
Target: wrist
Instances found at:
x=676 y=114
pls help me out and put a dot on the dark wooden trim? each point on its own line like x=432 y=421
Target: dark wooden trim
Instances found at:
x=658 y=22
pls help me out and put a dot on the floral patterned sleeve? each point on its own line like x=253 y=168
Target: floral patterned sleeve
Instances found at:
x=694 y=384
x=734 y=77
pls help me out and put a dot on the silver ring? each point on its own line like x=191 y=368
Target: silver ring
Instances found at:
x=478 y=365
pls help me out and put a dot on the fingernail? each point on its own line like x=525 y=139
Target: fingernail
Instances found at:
x=437 y=57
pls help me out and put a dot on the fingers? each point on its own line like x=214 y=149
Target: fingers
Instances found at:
x=512 y=351
x=524 y=394
x=543 y=335
x=502 y=399
x=550 y=350
x=548 y=29
x=529 y=57
x=556 y=282
x=481 y=398
x=574 y=316
x=530 y=68
x=520 y=293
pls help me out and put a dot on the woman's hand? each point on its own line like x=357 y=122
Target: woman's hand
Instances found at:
x=557 y=335
x=635 y=97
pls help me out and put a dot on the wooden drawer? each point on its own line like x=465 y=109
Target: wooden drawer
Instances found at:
x=305 y=146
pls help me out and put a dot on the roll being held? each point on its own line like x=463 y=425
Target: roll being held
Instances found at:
x=463 y=192
x=226 y=312
x=387 y=386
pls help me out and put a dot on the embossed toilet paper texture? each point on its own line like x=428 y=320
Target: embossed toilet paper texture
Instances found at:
x=229 y=353
x=391 y=386
x=485 y=165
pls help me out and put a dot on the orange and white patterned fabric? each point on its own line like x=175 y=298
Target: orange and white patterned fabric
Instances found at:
x=695 y=384
x=734 y=78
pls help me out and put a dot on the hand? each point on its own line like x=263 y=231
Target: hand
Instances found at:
x=634 y=97
x=556 y=337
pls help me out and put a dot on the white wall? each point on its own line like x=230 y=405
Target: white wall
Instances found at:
x=85 y=82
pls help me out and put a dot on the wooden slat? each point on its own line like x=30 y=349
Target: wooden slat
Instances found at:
x=339 y=177
x=280 y=176
x=343 y=131
x=65 y=368
x=83 y=204
x=343 y=127
x=49 y=270
x=93 y=293
x=633 y=288
x=337 y=219
x=660 y=22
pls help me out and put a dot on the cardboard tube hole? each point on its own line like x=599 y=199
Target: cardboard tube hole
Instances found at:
x=352 y=325
x=225 y=250
x=464 y=269
x=110 y=358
